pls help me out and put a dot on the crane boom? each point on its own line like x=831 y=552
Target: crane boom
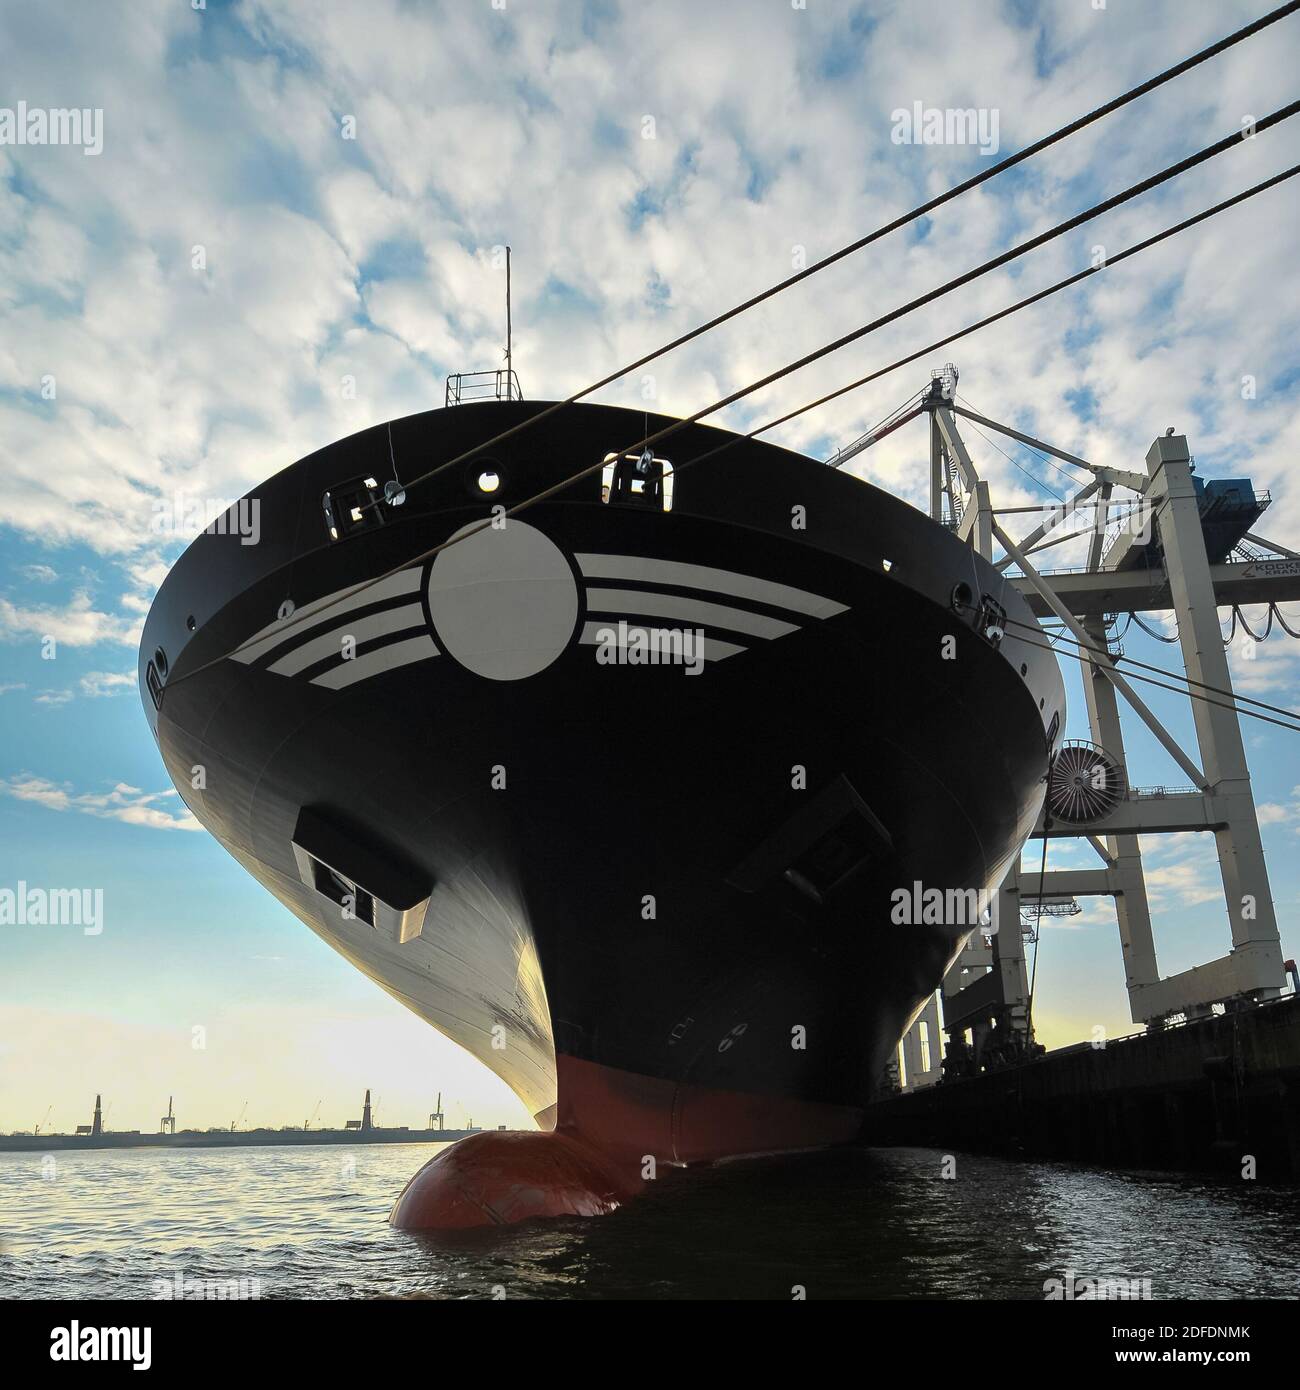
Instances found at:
x=842 y=456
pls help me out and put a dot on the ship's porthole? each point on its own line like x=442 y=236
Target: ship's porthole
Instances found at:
x=484 y=477
x=1023 y=668
x=961 y=595
x=1042 y=702
x=190 y=623
x=160 y=661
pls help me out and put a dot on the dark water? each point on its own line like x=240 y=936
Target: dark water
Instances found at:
x=878 y=1223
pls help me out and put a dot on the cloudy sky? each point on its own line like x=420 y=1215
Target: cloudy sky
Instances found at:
x=292 y=194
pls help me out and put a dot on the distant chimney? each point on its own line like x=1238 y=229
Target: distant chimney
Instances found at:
x=365 y=1113
x=97 y=1125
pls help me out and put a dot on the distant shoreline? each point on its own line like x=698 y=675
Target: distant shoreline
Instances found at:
x=227 y=1139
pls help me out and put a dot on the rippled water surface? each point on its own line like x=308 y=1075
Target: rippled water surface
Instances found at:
x=869 y=1223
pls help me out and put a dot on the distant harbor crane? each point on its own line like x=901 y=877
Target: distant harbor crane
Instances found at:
x=370 y=1128
x=96 y=1127
x=364 y=1123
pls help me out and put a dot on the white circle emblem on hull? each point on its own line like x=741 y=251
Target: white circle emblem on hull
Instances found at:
x=504 y=602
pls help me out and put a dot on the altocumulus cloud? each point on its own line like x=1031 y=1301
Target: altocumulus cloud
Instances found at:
x=198 y=294
x=95 y=684
x=124 y=803
x=78 y=623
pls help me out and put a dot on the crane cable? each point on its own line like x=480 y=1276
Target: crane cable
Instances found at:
x=1038 y=453
x=1025 y=303
x=1071 y=128
x=1283 y=623
x=1237 y=613
x=1236 y=700
x=1158 y=636
x=1038 y=482
x=1284 y=113
x=1114 y=658
x=1177 y=690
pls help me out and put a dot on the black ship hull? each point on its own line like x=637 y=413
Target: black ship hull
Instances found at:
x=619 y=799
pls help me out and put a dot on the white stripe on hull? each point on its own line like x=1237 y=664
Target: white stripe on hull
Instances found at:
x=352 y=597
x=387 y=658
x=623 y=605
x=362 y=630
x=651 y=571
x=697 y=612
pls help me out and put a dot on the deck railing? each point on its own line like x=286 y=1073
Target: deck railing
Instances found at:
x=500 y=385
